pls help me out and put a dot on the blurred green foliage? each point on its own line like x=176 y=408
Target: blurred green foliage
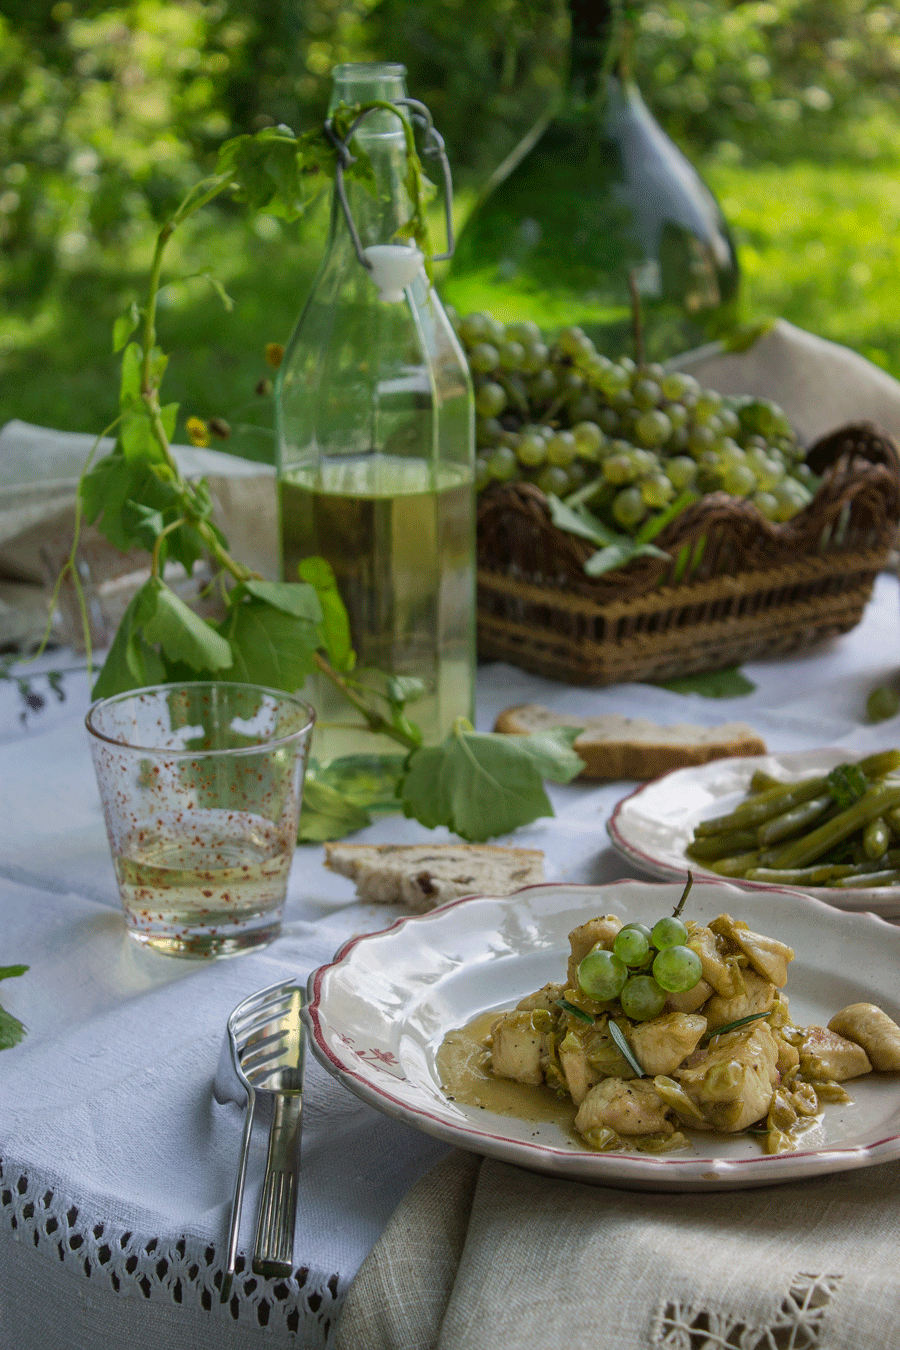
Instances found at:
x=108 y=112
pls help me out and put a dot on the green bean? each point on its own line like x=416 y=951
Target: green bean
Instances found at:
x=881 y=764
x=796 y=853
x=761 y=781
x=876 y=837
x=794 y=821
x=735 y=866
x=715 y=846
x=890 y=877
x=824 y=875
x=763 y=806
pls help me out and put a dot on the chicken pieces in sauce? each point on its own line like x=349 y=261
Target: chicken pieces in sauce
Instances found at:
x=722 y=1056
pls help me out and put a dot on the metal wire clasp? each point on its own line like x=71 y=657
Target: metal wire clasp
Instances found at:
x=434 y=148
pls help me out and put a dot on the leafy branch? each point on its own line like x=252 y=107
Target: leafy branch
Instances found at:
x=280 y=633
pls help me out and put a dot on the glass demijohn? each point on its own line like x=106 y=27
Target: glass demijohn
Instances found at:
x=375 y=429
x=594 y=202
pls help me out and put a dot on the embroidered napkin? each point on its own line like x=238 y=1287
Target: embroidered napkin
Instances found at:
x=481 y=1254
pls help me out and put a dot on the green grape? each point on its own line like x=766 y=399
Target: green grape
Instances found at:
x=561 y=449
x=642 y=998
x=708 y=405
x=534 y=357
x=487 y=432
x=632 y=944
x=682 y=471
x=568 y=340
x=484 y=357
x=609 y=421
x=589 y=439
x=678 y=441
x=645 y=394
x=503 y=463
x=601 y=974
x=764 y=418
x=677 y=969
x=628 y=508
x=553 y=480
x=656 y=490
x=731 y=452
x=792 y=497
x=583 y=408
x=729 y=421
x=569 y=383
x=618 y=469
x=613 y=381
x=532 y=449
x=766 y=504
x=512 y=354
x=644 y=461
x=739 y=480
x=881 y=704
x=668 y=932
x=805 y=475
x=652 y=428
x=482 y=472
x=674 y=385
x=525 y=331
x=628 y=365
x=542 y=386
x=474 y=328
x=490 y=399
x=700 y=438
x=677 y=414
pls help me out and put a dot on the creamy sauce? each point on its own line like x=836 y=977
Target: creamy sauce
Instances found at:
x=462 y=1063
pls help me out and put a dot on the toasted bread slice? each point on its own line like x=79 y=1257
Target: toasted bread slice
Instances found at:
x=423 y=876
x=613 y=746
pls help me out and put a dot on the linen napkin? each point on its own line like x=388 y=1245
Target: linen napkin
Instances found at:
x=39 y=472
x=482 y=1254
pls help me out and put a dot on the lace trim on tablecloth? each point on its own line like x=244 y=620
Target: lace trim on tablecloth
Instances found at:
x=186 y=1271
x=798 y=1325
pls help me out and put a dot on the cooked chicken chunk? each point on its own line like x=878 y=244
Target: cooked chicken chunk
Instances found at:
x=516 y=1048
x=543 y=998
x=734 y=1080
x=627 y=1108
x=767 y=956
x=662 y=1043
x=829 y=1057
x=580 y=1074
x=582 y=939
x=758 y=996
x=716 y=970
x=871 y=1028
x=691 y=1000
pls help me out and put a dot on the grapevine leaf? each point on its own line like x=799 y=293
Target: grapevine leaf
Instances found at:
x=267 y=169
x=125 y=325
x=581 y=522
x=481 y=785
x=299 y=600
x=136 y=436
x=369 y=781
x=335 y=623
x=131 y=661
x=11 y=1029
x=326 y=814
x=618 y=555
x=183 y=635
x=654 y=524
x=403 y=689
x=269 y=646
x=551 y=752
x=130 y=384
x=727 y=683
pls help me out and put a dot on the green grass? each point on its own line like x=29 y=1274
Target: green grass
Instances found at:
x=819 y=246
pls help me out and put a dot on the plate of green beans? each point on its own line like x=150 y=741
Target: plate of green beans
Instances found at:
x=826 y=822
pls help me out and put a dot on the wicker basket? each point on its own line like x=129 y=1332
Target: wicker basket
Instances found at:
x=734 y=588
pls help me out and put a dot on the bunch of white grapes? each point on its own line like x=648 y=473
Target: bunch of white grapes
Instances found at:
x=562 y=415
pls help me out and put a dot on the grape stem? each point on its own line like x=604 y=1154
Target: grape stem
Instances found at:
x=637 y=325
x=684 y=895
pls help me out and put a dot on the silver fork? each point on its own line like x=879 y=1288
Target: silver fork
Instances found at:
x=263 y=1052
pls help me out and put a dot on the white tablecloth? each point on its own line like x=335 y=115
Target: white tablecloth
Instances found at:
x=116 y=1165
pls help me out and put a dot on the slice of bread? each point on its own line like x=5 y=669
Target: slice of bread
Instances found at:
x=613 y=746
x=423 y=876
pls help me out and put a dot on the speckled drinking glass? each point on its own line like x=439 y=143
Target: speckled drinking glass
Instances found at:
x=201 y=785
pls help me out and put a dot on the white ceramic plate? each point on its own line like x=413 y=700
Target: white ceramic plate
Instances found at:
x=653 y=826
x=378 y=1013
